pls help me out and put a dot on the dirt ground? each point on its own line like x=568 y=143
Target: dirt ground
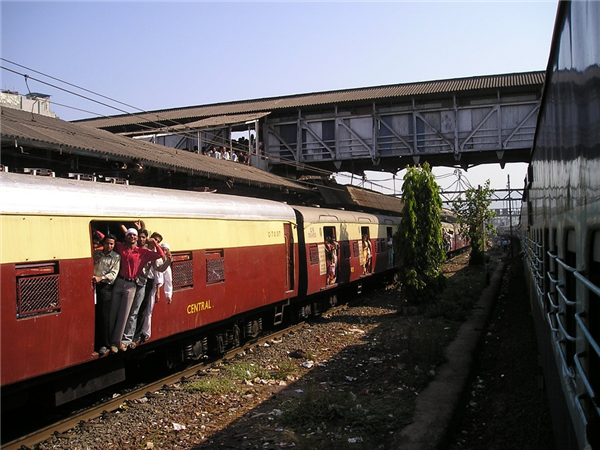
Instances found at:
x=506 y=407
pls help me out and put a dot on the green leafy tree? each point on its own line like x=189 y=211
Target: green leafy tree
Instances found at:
x=420 y=247
x=474 y=217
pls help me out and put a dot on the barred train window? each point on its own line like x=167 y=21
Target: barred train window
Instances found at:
x=594 y=312
x=314 y=254
x=215 y=266
x=355 y=249
x=37 y=289
x=183 y=270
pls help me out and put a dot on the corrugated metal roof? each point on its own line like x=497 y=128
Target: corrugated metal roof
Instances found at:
x=231 y=119
x=40 y=131
x=360 y=198
x=209 y=122
x=375 y=200
x=397 y=91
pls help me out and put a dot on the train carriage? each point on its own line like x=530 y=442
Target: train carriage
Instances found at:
x=326 y=230
x=233 y=257
x=560 y=222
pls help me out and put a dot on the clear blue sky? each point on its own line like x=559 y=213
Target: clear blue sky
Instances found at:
x=155 y=55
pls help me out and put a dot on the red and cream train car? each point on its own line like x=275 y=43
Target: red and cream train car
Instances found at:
x=235 y=260
x=334 y=247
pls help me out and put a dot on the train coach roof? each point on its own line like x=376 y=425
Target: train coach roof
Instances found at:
x=28 y=194
x=337 y=215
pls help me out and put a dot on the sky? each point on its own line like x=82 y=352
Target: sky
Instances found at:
x=147 y=55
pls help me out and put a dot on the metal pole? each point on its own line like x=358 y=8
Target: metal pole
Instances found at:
x=510 y=215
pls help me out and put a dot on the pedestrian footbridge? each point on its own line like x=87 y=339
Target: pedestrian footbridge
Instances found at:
x=456 y=122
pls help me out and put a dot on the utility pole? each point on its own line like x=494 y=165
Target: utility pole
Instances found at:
x=510 y=215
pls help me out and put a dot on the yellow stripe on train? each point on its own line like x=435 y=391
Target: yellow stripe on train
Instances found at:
x=42 y=238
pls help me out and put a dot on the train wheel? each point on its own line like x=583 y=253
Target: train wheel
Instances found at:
x=196 y=350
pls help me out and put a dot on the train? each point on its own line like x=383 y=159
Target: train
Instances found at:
x=560 y=227
x=239 y=264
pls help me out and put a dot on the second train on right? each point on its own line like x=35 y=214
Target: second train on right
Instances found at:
x=560 y=226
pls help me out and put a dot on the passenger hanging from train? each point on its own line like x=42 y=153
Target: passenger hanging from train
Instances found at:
x=447 y=241
x=131 y=336
x=329 y=260
x=97 y=239
x=331 y=248
x=142 y=238
x=133 y=260
x=106 y=268
x=367 y=254
x=161 y=276
x=390 y=245
x=140 y=289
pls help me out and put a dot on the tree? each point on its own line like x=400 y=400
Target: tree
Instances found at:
x=474 y=218
x=419 y=238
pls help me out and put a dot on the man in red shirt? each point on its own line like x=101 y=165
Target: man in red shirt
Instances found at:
x=133 y=260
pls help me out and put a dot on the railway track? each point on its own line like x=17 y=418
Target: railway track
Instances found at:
x=34 y=438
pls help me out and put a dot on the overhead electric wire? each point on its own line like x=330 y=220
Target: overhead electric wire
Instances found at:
x=89 y=91
x=190 y=133
x=161 y=125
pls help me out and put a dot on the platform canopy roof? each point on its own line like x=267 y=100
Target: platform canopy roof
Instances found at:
x=24 y=129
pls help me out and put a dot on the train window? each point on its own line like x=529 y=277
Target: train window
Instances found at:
x=355 y=249
x=215 y=266
x=183 y=270
x=313 y=251
x=37 y=289
x=571 y=294
x=552 y=279
x=593 y=316
x=545 y=268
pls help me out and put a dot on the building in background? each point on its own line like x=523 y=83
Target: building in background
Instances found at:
x=33 y=102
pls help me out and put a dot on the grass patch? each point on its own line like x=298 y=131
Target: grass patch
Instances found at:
x=212 y=385
x=286 y=368
x=247 y=371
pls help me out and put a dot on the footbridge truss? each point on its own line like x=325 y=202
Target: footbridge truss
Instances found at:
x=452 y=123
